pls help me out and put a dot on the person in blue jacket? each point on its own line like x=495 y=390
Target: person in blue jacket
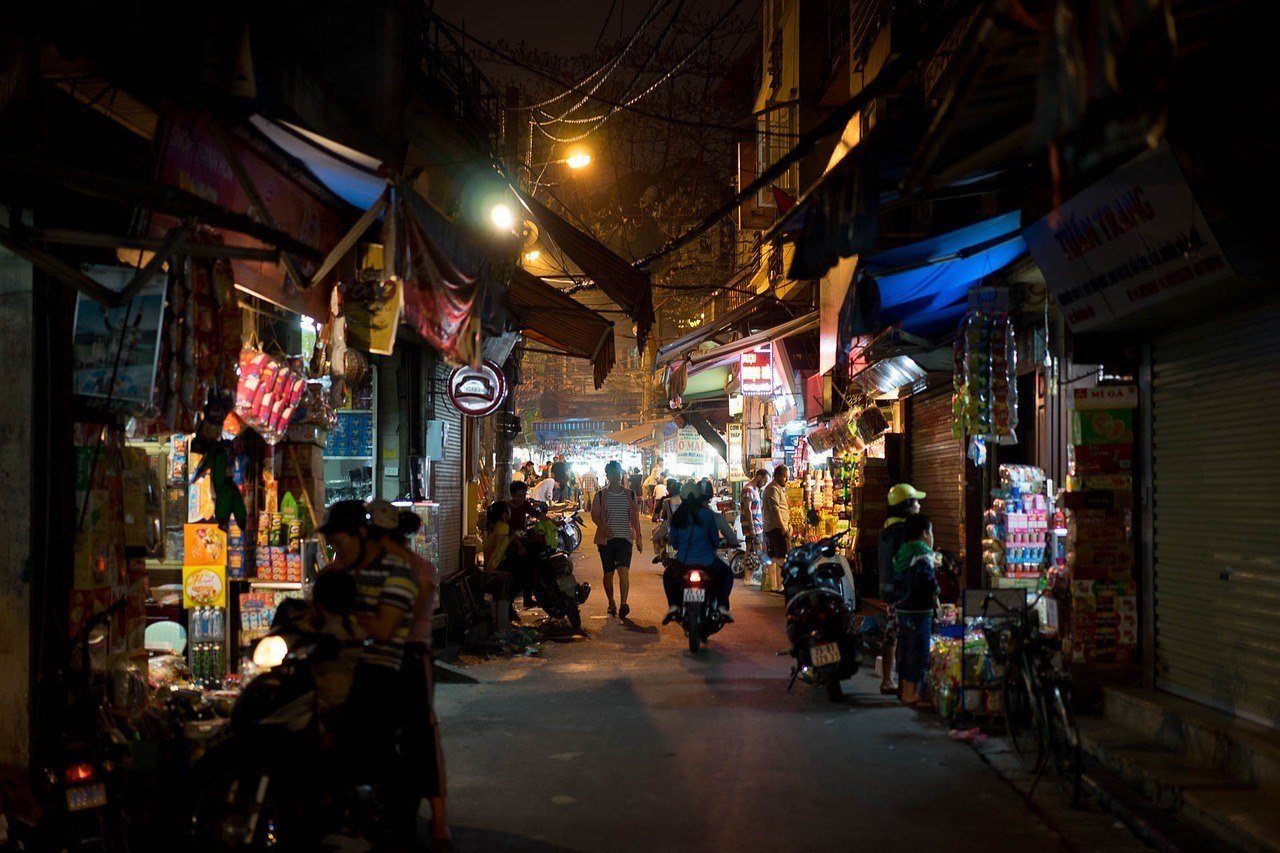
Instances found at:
x=695 y=535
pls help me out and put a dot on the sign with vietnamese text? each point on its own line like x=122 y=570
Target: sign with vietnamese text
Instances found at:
x=1106 y=397
x=755 y=372
x=734 y=441
x=690 y=448
x=1132 y=240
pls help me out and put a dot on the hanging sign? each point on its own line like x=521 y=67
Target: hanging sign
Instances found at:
x=733 y=439
x=478 y=391
x=756 y=371
x=690 y=448
x=1133 y=239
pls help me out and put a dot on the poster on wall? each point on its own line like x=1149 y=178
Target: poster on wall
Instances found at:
x=690 y=448
x=733 y=439
x=124 y=341
x=1133 y=239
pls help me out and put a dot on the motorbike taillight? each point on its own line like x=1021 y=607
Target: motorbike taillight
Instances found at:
x=695 y=577
x=78 y=774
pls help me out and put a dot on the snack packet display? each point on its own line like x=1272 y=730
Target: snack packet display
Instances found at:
x=267 y=394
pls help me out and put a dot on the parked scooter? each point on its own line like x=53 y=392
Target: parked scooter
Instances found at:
x=80 y=781
x=554 y=587
x=821 y=603
x=569 y=524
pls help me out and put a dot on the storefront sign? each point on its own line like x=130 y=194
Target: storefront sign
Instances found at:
x=690 y=448
x=733 y=438
x=756 y=371
x=478 y=391
x=1132 y=240
x=1109 y=397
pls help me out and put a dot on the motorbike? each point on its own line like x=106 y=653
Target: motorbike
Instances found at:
x=80 y=781
x=277 y=779
x=554 y=587
x=821 y=603
x=699 y=614
x=569 y=524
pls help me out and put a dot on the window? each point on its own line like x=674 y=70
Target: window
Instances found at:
x=776 y=135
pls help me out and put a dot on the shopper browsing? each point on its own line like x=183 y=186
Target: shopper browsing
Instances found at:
x=777 y=514
x=915 y=591
x=616 y=514
x=751 y=511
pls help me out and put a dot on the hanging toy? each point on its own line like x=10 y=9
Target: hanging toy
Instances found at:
x=216 y=461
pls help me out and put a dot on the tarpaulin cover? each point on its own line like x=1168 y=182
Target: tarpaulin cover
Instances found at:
x=629 y=287
x=925 y=285
x=438 y=294
x=555 y=318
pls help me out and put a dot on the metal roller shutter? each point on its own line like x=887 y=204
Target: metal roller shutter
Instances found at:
x=446 y=475
x=937 y=467
x=1215 y=398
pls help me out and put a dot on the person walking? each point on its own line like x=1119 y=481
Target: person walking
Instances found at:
x=777 y=515
x=915 y=591
x=616 y=513
x=904 y=502
x=590 y=484
x=751 y=512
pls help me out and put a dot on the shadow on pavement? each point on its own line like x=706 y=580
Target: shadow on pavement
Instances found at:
x=639 y=629
x=473 y=840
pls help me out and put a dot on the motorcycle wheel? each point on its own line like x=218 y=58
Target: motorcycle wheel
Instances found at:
x=834 y=691
x=693 y=629
x=224 y=805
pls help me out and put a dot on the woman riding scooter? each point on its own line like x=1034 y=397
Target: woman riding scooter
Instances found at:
x=695 y=536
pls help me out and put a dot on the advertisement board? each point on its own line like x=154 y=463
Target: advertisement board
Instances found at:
x=690 y=448
x=734 y=441
x=756 y=371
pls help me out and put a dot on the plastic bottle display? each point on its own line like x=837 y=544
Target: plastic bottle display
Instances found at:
x=984 y=399
x=1016 y=527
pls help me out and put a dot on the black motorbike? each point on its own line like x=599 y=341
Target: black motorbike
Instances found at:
x=569 y=524
x=552 y=583
x=825 y=645
x=699 y=611
x=80 y=779
x=278 y=779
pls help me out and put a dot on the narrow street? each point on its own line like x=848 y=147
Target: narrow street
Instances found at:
x=624 y=741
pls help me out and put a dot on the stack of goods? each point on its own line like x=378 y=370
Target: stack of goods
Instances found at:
x=279 y=551
x=302 y=473
x=351 y=436
x=870 y=500
x=1099 y=504
x=796 y=503
x=955 y=665
x=268 y=393
x=257 y=610
x=1015 y=543
x=984 y=401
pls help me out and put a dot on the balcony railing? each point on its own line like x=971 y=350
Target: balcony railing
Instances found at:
x=867 y=19
x=455 y=84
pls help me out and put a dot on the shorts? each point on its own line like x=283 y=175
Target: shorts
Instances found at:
x=775 y=542
x=615 y=554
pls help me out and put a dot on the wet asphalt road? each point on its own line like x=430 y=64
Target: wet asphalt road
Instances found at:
x=624 y=741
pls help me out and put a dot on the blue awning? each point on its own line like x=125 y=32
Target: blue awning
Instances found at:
x=349 y=174
x=924 y=286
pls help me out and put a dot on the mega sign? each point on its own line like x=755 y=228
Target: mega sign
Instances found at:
x=1134 y=239
x=755 y=371
x=478 y=391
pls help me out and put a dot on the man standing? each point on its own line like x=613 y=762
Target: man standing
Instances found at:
x=777 y=515
x=617 y=518
x=560 y=473
x=904 y=502
x=637 y=482
x=590 y=484
x=751 y=512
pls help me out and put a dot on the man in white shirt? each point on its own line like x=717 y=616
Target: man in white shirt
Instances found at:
x=544 y=491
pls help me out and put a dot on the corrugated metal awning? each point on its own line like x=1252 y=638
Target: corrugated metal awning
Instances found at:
x=635 y=434
x=555 y=318
x=681 y=346
x=728 y=352
x=629 y=287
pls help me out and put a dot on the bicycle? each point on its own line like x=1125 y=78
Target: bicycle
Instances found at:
x=1036 y=692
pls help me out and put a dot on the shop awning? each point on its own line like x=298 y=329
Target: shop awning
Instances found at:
x=550 y=315
x=681 y=346
x=924 y=286
x=349 y=174
x=722 y=355
x=629 y=287
x=635 y=434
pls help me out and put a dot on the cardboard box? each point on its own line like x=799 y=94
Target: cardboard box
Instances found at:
x=1105 y=426
x=1103 y=459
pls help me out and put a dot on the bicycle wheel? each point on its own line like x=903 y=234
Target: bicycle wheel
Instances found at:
x=1024 y=714
x=1064 y=743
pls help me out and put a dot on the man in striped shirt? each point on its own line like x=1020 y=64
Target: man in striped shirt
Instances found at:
x=617 y=518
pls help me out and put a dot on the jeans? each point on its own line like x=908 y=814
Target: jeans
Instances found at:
x=915 y=630
x=673 y=582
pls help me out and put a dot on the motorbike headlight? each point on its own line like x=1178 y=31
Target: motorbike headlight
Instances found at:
x=270 y=651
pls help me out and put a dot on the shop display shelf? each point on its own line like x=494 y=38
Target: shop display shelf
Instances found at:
x=263 y=584
x=348 y=458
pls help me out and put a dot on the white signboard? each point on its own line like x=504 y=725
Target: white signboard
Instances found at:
x=734 y=443
x=690 y=448
x=1134 y=239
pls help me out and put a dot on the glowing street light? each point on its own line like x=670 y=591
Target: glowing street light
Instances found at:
x=502 y=217
x=532 y=255
x=578 y=161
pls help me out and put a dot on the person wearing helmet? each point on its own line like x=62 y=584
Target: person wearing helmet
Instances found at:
x=904 y=500
x=385 y=593
x=695 y=535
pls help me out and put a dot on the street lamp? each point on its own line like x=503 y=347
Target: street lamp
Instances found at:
x=578 y=161
x=502 y=218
